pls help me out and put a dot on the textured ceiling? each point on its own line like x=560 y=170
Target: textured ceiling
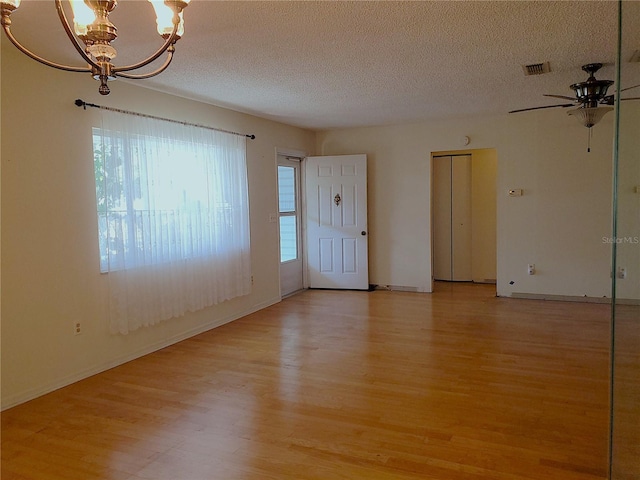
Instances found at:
x=337 y=64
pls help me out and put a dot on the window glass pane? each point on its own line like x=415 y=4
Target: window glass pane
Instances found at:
x=287 y=189
x=288 y=239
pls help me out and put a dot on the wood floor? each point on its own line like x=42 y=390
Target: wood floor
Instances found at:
x=342 y=385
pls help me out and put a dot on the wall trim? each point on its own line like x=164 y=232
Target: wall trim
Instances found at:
x=25 y=396
x=291 y=152
x=573 y=298
x=397 y=288
x=560 y=298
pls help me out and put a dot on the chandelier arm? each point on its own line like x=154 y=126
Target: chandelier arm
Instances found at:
x=72 y=37
x=68 y=68
x=142 y=76
x=171 y=39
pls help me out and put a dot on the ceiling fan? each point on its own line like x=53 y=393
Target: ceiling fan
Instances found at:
x=590 y=97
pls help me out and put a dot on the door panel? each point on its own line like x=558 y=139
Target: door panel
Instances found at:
x=291 y=265
x=349 y=255
x=461 y=218
x=349 y=213
x=326 y=255
x=452 y=240
x=337 y=222
x=442 y=218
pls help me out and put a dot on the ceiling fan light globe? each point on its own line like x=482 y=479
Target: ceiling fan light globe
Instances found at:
x=589 y=116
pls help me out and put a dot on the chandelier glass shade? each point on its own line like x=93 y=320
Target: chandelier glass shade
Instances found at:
x=92 y=34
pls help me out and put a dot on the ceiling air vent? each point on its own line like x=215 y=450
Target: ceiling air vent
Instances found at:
x=536 y=68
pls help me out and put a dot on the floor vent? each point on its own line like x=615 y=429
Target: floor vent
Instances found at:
x=536 y=68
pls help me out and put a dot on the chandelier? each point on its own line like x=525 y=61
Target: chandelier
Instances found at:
x=92 y=27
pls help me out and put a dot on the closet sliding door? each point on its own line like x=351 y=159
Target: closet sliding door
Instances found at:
x=452 y=218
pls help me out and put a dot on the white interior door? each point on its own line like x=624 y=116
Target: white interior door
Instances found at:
x=442 y=219
x=461 y=218
x=291 y=265
x=452 y=239
x=336 y=192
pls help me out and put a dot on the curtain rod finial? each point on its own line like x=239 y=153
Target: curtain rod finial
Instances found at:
x=80 y=103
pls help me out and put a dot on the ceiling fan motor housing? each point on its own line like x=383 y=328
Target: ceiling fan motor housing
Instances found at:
x=592 y=91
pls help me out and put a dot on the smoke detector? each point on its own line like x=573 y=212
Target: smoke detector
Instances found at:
x=536 y=68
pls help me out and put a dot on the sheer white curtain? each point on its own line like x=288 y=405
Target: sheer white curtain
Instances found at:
x=173 y=217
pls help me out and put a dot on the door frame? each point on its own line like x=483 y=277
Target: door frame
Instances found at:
x=455 y=238
x=301 y=156
x=454 y=152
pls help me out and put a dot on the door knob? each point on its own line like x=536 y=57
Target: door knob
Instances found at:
x=363 y=232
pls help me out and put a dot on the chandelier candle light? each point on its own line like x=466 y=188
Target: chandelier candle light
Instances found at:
x=92 y=26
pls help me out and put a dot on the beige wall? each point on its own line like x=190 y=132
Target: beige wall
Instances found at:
x=50 y=276
x=558 y=224
x=50 y=271
x=484 y=166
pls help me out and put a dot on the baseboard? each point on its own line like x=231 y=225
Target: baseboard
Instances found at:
x=400 y=288
x=397 y=288
x=25 y=396
x=560 y=298
x=628 y=301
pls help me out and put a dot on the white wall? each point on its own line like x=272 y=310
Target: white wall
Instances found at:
x=558 y=224
x=399 y=189
x=50 y=274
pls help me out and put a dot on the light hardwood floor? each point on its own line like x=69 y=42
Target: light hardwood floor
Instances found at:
x=342 y=385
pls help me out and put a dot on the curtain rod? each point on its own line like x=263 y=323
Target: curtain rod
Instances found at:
x=81 y=103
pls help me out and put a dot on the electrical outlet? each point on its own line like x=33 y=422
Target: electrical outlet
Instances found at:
x=531 y=269
x=77 y=329
x=622 y=273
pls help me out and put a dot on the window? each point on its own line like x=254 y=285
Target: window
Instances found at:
x=287 y=203
x=173 y=219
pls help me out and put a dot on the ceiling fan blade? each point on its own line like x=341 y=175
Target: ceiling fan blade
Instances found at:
x=563 y=105
x=610 y=99
x=629 y=88
x=560 y=96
